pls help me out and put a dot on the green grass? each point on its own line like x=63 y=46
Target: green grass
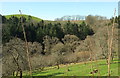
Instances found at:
x=26 y=16
x=36 y=19
x=80 y=69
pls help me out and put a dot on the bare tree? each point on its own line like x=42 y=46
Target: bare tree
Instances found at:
x=110 y=44
x=49 y=43
x=14 y=57
x=70 y=43
x=26 y=44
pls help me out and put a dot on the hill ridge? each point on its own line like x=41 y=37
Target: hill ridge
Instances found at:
x=25 y=15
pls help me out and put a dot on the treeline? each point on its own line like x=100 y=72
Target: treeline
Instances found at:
x=36 y=31
x=117 y=20
x=70 y=18
x=79 y=17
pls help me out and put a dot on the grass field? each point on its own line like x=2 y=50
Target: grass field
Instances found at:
x=79 y=69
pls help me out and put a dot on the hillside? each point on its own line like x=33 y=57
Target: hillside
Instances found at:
x=56 y=43
x=39 y=19
x=24 y=15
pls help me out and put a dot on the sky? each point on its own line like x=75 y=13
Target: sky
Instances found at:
x=59 y=0
x=119 y=8
x=52 y=10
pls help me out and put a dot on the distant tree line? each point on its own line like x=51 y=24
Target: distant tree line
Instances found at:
x=79 y=17
x=70 y=18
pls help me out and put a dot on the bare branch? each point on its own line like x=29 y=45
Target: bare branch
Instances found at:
x=26 y=44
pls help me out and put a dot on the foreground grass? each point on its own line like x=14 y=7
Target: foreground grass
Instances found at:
x=80 y=69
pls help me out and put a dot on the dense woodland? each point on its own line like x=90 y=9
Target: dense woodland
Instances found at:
x=36 y=31
x=54 y=43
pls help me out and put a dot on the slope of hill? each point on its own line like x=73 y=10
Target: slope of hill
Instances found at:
x=26 y=16
x=36 y=19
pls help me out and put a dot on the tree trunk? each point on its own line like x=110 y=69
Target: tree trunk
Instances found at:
x=20 y=73
x=26 y=44
x=14 y=73
x=58 y=66
x=112 y=57
x=106 y=60
x=110 y=46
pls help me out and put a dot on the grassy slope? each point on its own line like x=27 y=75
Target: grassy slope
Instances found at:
x=80 y=69
x=36 y=19
x=26 y=16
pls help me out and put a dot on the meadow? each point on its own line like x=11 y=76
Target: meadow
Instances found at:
x=80 y=69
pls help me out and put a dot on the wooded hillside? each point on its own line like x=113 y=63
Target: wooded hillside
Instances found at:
x=55 y=43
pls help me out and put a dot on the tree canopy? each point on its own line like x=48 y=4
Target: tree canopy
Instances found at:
x=36 y=31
